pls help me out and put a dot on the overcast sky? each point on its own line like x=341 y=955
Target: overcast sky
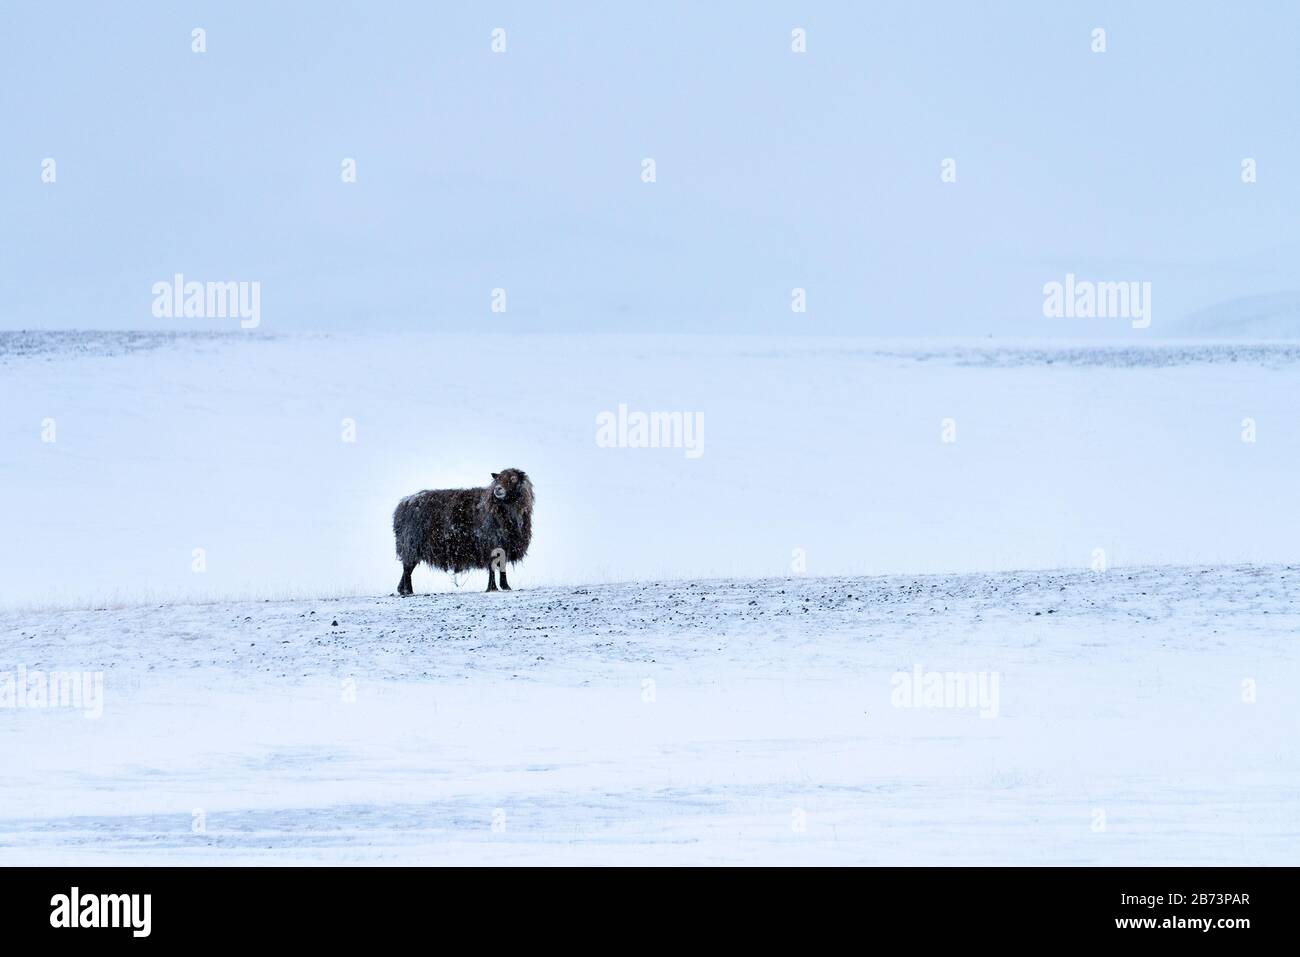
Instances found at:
x=523 y=170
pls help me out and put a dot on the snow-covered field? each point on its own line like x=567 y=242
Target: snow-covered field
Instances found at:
x=705 y=722
x=662 y=686
x=835 y=447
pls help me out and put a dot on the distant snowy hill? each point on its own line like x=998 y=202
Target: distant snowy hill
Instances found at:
x=1270 y=316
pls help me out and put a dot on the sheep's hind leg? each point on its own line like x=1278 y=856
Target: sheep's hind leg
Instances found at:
x=505 y=586
x=404 y=587
x=492 y=582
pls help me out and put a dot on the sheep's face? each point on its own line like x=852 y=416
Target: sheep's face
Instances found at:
x=512 y=487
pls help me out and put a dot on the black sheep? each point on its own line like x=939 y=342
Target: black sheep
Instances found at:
x=463 y=528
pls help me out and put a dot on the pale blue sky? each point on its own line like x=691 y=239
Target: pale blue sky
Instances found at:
x=522 y=170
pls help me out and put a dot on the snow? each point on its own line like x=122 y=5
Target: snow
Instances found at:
x=1119 y=692
x=235 y=445
x=660 y=687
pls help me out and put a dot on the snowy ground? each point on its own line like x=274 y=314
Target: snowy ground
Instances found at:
x=660 y=688
x=697 y=722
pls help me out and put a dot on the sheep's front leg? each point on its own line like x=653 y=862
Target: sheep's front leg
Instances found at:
x=498 y=563
x=404 y=586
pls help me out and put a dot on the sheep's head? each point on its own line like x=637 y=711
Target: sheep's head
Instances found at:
x=512 y=487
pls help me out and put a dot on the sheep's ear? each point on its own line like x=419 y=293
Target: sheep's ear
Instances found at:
x=495 y=476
